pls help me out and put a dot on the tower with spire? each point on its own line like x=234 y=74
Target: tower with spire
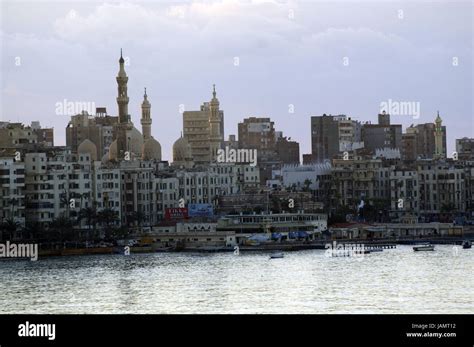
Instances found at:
x=151 y=149
x=122 y=97
x=146 y=117
x=439 y=138
x=124 y=124
x=215 y=136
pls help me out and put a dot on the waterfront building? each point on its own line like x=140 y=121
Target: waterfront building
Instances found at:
x=442 y=188
x=349 y=133
x=12 y=193
x=17 y=135
x=308 y=159
x=268 y=200
x=272 y=148
x=259 y=133
x=381 y=135
x=57 y=184
x=324 y=138
x=203 y=133
x=138 y=206
x=304 y=176
x=409 y=145
x=198 y=240
x=404 y=192
x=284 y=224
x=98 y=129
x=288 y=151
x=465 y=148
x=108 y=189
x=207 y=184
x=419 y=141
x=360 y=179
x=469 y=190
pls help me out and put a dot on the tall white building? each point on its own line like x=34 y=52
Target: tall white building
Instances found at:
x=58 y=184
x=12 y=195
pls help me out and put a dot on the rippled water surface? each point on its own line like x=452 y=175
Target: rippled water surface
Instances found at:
x=393 y=281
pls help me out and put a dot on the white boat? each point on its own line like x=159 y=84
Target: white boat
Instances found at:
x=424 y=248
x=276 y=255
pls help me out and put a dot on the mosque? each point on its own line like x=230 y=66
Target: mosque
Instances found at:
x=202 y=138
x=128 y=143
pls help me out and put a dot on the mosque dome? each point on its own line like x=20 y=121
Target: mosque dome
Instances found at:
x=88 y=147
x=151 y=150
x=181 y=150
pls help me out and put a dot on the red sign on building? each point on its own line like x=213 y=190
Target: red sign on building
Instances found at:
x=176 y=213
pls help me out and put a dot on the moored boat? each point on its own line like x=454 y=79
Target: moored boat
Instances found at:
x=424 y=248
x=377 y=249
x=276 y=255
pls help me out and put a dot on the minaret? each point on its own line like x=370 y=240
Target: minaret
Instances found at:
x=215 y=136
x=146 y=117
x=122 y=98
x=124 y=119
x=438 y=134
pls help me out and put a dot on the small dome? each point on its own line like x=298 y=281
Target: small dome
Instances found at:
x=181 y=150
x=113 y=151
x=151 y=150
x=87 y=146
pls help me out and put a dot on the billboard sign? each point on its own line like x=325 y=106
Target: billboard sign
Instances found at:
x=200 y=210
x=176 y=213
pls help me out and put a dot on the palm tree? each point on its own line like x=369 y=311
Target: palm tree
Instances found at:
x=90 y=215
x=34 y=231
x=135 y=216
x=65 y=199
x=120 y=233
x=9 y=226
x=60 y=229
x=107 y=217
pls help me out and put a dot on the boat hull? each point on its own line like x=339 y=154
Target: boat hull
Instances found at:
x=276 y=256
x=423 y=248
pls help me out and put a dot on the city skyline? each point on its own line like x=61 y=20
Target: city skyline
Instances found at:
x=243 y=157
x=273 y=85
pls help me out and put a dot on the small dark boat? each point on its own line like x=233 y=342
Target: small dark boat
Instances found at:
x=466 y=244
x=276 y=255
x=423 y=248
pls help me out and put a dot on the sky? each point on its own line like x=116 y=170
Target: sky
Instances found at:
x=287 y=60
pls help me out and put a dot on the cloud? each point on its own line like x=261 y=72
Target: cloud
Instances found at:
x=290 y=52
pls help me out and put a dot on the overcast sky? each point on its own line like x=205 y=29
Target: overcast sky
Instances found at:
x=267 y=58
